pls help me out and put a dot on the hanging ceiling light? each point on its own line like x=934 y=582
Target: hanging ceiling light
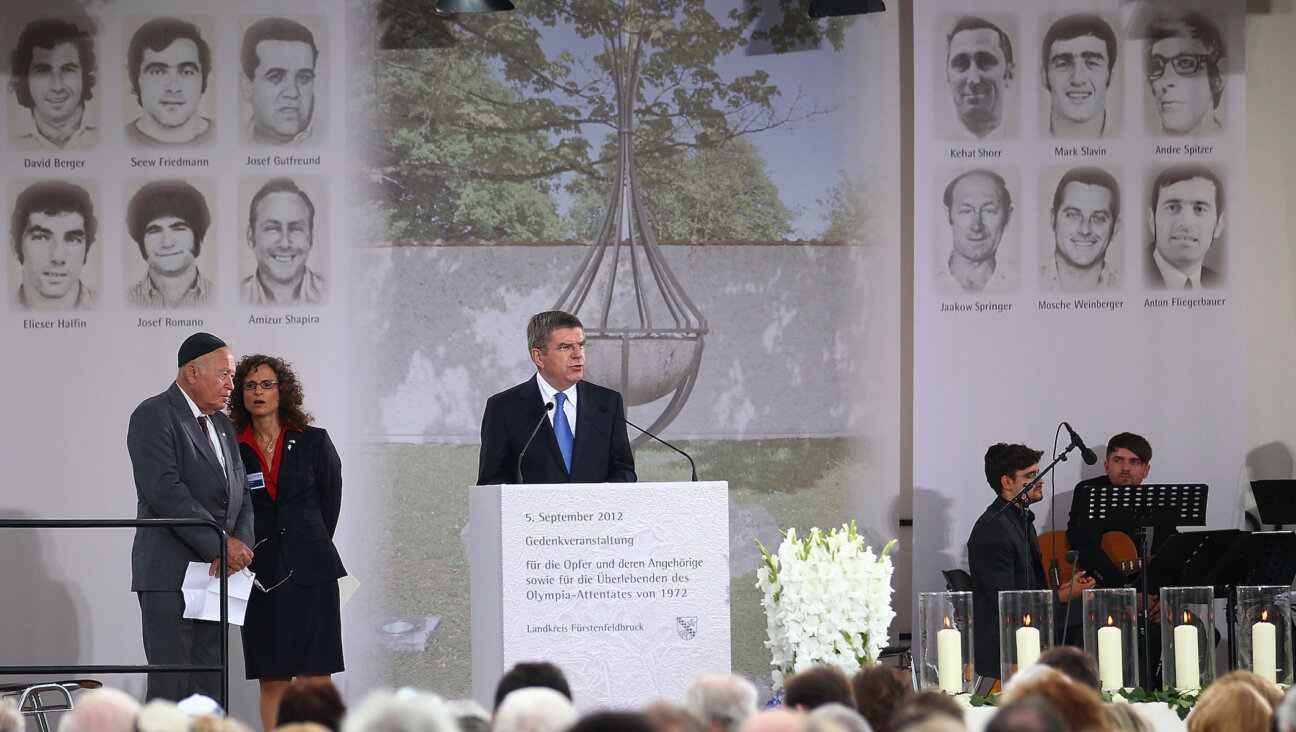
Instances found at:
x=472 y=6
x=830 y=8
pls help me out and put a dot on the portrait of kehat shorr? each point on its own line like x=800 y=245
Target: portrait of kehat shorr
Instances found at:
x=979 y=73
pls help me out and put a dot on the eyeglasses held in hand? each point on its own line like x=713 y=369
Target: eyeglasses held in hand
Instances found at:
x=256 y=582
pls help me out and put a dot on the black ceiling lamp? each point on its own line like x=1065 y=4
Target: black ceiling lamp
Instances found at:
x=473 y=6
x=832 y=8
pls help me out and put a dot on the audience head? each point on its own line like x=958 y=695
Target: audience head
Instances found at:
x=1268 y=689
x=534 y=709
x=532 y=673
x=606 y=721
x=216 y=723
x=666 y=717
x=162 y=715
x=1074 y=662
x=721 y=700
x=11 y=720
x=1230 y=706
x=1029 y=714
x=1080 y=706
x=471 y=716
x=311 y=700
x=1285 y=714
x=817 y=686
x=405 y=710
x=879 y=691
x=1125 y=718
x=924 y=707
x=776 y=720
x=839 y=718
x=101 y=710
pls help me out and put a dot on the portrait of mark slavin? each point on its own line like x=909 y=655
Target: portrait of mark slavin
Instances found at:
x=278 y=82
x=168 y=220
x=54 y=73
x=1185 y=67
x=281 y=235
x=979 y=74
x=978 y=207
x=52 y=228
x=1079 y=65
x=169 y=65
x=1186 y=218
x=1084 y=218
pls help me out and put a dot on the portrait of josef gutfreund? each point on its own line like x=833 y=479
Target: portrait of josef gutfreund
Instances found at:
x=278 y=81
x=978 y=207
x=1084 y=221
x=281 y=237
x=979 y=74
x=168 y=220
x=53 y=229
x=168 y=64
x=54 y=72
x=1078 y=68
x=1186 y=219
x=1185 y=66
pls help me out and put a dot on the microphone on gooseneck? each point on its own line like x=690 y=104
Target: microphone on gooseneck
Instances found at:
x=543 y=416
x=603 y=408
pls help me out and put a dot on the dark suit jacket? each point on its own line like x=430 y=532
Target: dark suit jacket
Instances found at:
x=299 y=522
x=1003 y=554
x=1209 y=277
x=600 y=453
x=177 y=475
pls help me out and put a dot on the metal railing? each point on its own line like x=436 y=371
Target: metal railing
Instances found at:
x=223 y=668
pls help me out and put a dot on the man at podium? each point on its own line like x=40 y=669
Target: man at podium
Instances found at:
x=555 y=427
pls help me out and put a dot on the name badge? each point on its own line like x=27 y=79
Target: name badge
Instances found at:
x=256 y=481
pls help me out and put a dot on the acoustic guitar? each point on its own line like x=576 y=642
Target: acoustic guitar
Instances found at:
x=1115 y=544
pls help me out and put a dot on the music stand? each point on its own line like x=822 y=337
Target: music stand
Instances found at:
x=1275 y=501
x=1138 y=507
x=1261 y=558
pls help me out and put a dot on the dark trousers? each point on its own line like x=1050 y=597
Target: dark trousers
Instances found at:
x=171 y=638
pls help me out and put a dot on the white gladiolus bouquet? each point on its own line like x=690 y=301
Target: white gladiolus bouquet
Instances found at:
x=827 y=601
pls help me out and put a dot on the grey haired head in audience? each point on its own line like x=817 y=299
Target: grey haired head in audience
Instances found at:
x=404 y=710
x=722 y=700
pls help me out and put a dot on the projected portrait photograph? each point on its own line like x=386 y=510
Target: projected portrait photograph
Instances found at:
x=169 y=222
x=981 y=253
x=168 y=68
x=52 y=87
x=1185 y=218
x=283 y=260
x=1185 y=66
x=281 y=81
x=1080 y=233
x=1082 y=87
x=53 y=263
x=977 y=98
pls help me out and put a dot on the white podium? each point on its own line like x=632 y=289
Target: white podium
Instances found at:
x=625 y=586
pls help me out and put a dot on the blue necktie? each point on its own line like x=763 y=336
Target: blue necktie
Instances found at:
x=562 y=430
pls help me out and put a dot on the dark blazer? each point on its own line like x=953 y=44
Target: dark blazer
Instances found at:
x=299 y=522
x=1003 y=554
x=1209 y=277
x=600 y=453
x=177 y=475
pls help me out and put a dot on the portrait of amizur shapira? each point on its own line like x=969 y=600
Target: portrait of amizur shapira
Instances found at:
x=978 y=207
x=168 y=63
x=1186 y=220
x=1082 y=253
x=53 y=230
x=1185 y=64
x=54 y=72
x=169 y=221
x=979 y=74
x=280 y=62
x=281 y=238
x=1078 y=70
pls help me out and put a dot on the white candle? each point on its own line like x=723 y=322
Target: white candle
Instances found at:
x=949 y=660
x=1028 y=646
x=1264 y=650
x=1187 y=675
x=1111 y=658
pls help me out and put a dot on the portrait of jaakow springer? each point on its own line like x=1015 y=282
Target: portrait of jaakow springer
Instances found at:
x=169 y=220
x=281 y=236
x=1085 y=219
x=979 y=207
x=52 y=229
x=1185 y=67
x=169 y=64
x=1079 y=62
x=54 y=73
x=278 y=83
x=1186 y=218
x=979 y=71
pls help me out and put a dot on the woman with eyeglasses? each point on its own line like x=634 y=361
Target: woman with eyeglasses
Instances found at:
x=293 y=627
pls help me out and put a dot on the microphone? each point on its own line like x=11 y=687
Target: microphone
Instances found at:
x=603 y=408
x=543 y=416
x=1085 y=453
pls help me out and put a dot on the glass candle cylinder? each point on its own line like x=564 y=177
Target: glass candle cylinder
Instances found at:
x=1187 y=637
x=945 y=641
x=1111 y=635
x=1263 y=625
x=1025 y=628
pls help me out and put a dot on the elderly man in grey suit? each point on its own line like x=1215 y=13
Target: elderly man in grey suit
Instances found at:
x=184 y=453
